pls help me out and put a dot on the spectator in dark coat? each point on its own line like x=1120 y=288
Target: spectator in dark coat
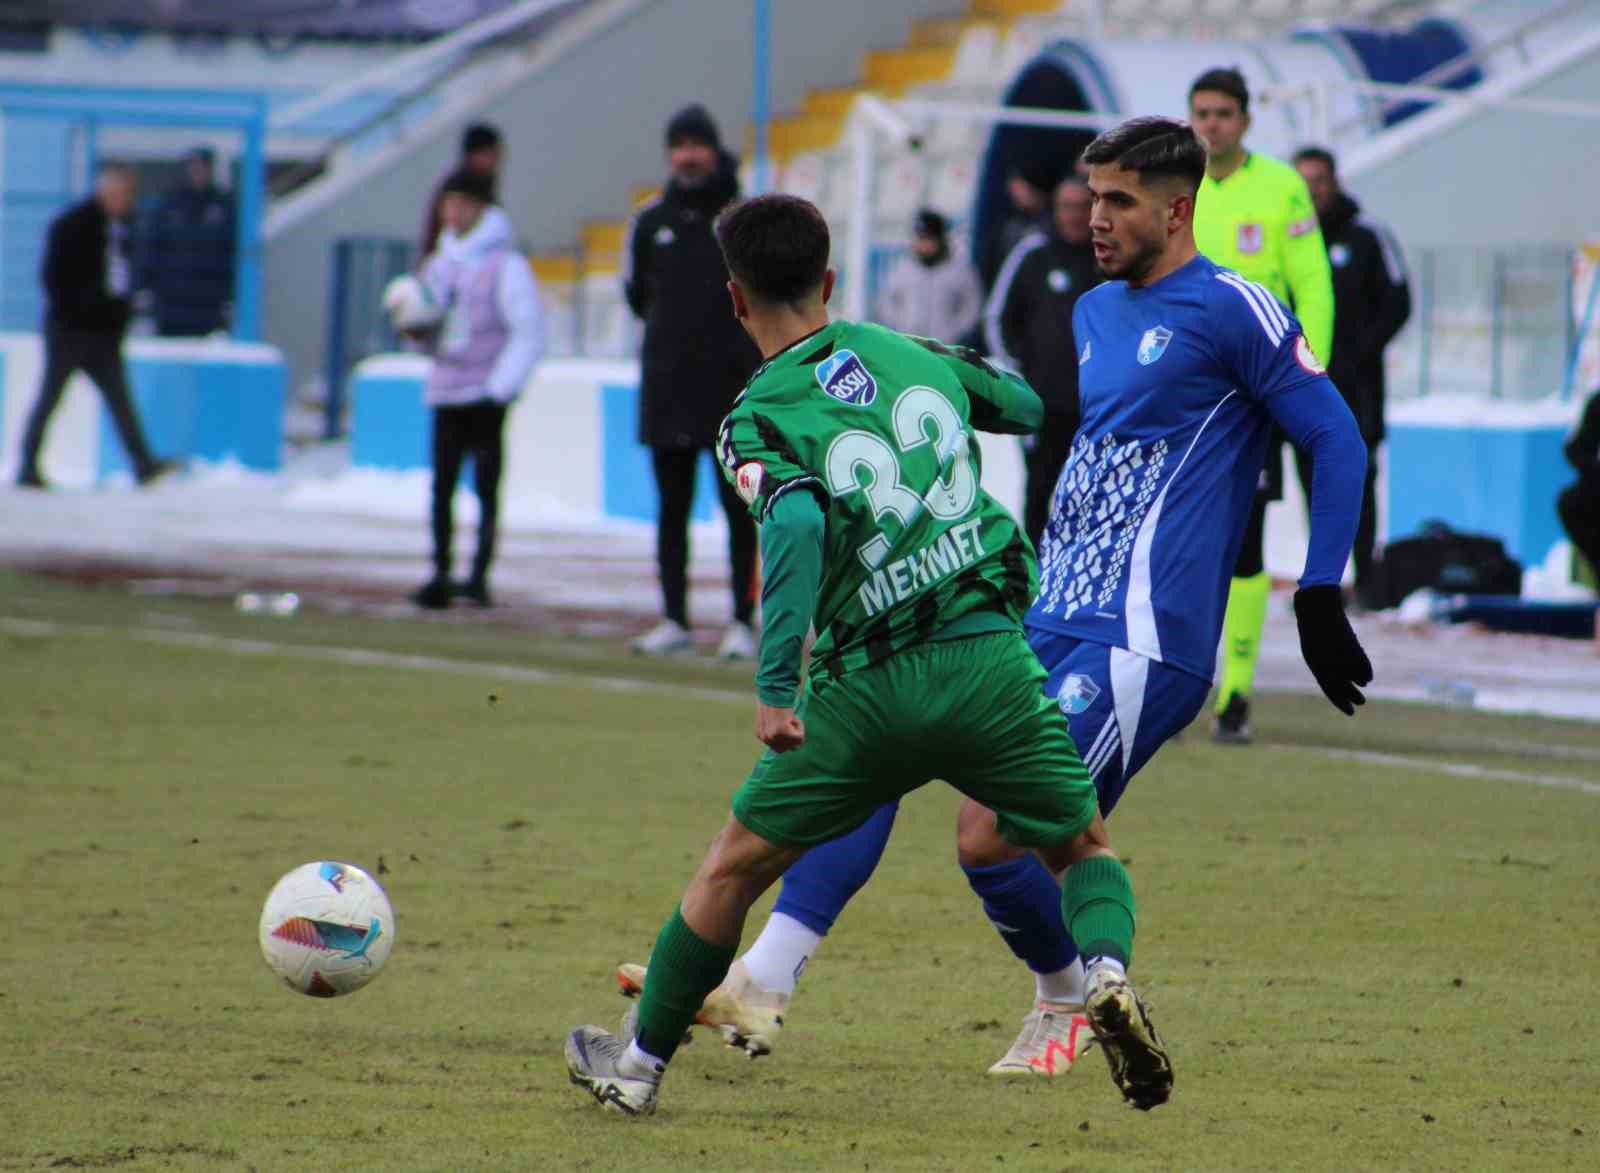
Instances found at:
x=1028 y=320
x=1579 y=504
x=482 y=150
x=188 y=253
x=695 y=359
x=1028 y=189
x=88 y=281
x=1371 y=302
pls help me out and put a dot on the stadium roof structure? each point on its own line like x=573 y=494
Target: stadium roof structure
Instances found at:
x=331 y=19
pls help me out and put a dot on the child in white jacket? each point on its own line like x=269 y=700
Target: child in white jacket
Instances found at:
x=489 y=337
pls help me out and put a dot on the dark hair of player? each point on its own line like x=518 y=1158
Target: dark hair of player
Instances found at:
x=1156 y=148
x=1317 y=155
x=775 y=247
x=1223 y=81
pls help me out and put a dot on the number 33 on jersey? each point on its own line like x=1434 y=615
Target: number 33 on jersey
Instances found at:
x=878 y=426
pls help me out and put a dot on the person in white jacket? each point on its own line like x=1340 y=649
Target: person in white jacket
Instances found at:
x=930 y=291
x=489 y=336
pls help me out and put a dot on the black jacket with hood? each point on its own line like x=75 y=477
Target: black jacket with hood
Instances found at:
x=695 y=357
x=1029 y=315
x=1371 y=301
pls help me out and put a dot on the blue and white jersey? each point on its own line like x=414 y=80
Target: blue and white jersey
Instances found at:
x=1176 y=382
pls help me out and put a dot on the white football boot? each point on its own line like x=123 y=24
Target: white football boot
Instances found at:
x=738 y=642
x=1054 y=1037
x=595 y=1063
x=666 y=638
x=1137 y=1057
x=748 y=1016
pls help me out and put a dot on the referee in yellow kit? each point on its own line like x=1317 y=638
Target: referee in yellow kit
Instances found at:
x=1254 y=215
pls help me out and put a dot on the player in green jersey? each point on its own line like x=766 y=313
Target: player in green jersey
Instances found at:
x=1254 y=215
x=853 y=447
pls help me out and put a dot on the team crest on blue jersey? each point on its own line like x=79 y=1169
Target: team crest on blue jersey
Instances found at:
x=1077 y=694
x=845 y=377
x=1154 y=344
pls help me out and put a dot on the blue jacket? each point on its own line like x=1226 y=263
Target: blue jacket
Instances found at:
x=187 y=259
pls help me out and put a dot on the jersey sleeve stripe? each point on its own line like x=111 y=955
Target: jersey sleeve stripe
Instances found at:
x=1272 y=305
x=789 y=486
x=1392 y=262
x=1259 y=296
x=996 y=306
x=1267 y=324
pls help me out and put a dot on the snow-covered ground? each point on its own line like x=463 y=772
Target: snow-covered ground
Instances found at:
x=341 y=539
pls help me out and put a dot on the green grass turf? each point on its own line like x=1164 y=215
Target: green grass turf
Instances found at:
x=1357 y=965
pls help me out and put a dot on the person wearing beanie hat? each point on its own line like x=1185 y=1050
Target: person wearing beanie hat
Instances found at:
x=489 y=338
x=466 y=181
x=482 y=150
x=481 y=146
x=1028 y=189
x=1028 y=319
x=694 y=360
x=929 y=291
x=187 y=252
x=693 y=123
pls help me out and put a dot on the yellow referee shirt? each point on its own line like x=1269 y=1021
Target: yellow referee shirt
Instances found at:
x=1260 y=223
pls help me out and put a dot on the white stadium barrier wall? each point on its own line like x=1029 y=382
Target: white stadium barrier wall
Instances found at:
x=572 y=449
x=204 y=399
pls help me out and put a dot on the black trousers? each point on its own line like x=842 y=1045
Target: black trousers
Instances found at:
x=478 y=430
x=1366 y=528
x=675 y=473
x=98 y=355
x=1579 y=507
x=1043 y=459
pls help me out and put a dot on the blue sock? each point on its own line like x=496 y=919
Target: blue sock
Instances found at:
x=816 y=889
x=1023 y=901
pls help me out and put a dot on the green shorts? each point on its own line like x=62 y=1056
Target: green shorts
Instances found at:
x=969 y=711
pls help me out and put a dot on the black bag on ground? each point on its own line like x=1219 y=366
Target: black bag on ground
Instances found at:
x=1451 y=563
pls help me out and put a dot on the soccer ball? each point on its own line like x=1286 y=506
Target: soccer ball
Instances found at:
x=410 y=304
x=327 y=929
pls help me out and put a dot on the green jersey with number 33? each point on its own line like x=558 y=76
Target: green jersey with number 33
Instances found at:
x=878 y=426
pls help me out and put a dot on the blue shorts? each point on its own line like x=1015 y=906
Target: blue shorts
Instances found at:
x=1120 y=706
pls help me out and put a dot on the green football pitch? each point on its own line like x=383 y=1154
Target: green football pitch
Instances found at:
x=1370 y=943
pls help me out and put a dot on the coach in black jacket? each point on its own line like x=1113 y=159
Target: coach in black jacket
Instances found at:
x=88 y=280
x=1371 y=302
x=1029 y=318
x=695 y=359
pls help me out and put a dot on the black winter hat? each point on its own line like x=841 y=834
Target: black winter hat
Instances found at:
x=693 y=122
x=473 y=184
x=480 y=136
x=931 y=223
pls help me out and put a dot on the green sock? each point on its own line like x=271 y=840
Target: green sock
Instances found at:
x=684 y=968
x=1097 y=904
x=1241 y=635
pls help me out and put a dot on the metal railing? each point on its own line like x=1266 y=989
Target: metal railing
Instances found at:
x=1486 y=323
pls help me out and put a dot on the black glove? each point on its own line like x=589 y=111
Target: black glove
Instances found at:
x=1330 y=647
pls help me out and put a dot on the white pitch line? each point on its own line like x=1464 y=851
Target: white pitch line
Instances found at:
x=1462 y=770
x=367 y=658
x=363 y=657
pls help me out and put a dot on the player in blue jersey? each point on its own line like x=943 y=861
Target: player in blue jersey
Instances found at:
x=1183 y=367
